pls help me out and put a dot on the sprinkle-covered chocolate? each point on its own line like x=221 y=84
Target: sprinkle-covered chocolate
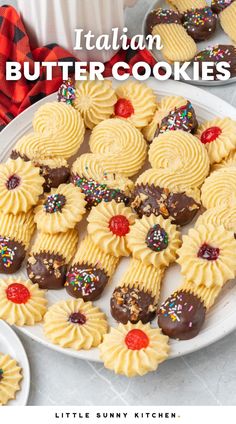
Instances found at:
x=217 y=54
x=162 y=16
x=200 y=24
x=132 y=304
x=95 y=192
x=182 y=118
x=219 y=5
x=157 y=238
x=66 y=92
x=54 y=203
x=86 y=281
x=48 y=270
x=182 y=315
x=12 y=254
x=179 y=207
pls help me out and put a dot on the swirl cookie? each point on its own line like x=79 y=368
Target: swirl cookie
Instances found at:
x=154 y=241
x=229 y=161
x=133 y=350
x=226 y=9
x=108 y=226
x=49 y=258
x=10 y=377
x=60 y=210
x=200 y=24
x=136 y=103
x=177 y=44
x=153 y=196
x=75 y=324
x=136 y=297
x=21 y=302
x=216 y=54
x=90 y=271
x=89 y=174
x=95 y=101
x=15 y=235
x=221 y=215
x=219 y=138
x=121 y=146
x=20 y=186
x=208 y=255
x=219 y=188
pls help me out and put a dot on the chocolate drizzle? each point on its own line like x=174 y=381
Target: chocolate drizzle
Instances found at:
x=47 y=269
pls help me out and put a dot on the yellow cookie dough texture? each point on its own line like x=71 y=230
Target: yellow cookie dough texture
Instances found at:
x=95 y=101
x=24 y=313
x=208 y=272
x=228 y=19
x=220 y=215
x=219 y=189
x=18 y=227
x=184 y=5
x=229 y=161
x=208 y=295
x=63 y=216
x=137 y=241
x=121 y=145
x=99 y=227
x=11 y=377
x=224 y=143
x=181 y=158
x=164 y=107
x=143 y=100
x=59 y=329
x=20 y=186
x=117 y=357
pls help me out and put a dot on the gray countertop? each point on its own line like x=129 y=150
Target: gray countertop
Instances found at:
x=206 y=377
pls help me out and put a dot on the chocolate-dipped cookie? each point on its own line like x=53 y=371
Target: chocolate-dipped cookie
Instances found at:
x=47 y=269
x=200 y=24
x=178 y=206
x=161 y=16
x=182 y=315
x=217 y=54
x=12 y=254
x=181 y=118
x=218 y=6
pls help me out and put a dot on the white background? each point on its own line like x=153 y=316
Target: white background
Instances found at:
x=203 y=378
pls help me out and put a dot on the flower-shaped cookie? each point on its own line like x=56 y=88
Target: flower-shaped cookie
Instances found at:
x=75 y=324
x=219 y=137
x=20 y=186
x=154 y=240
x=208 y=255
x=60 y=210
x=109 y=224
x=21 y=302
x=10 y=377
x=134 y=349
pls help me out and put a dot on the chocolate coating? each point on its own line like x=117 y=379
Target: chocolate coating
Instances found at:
x=218 y=6
x=161 y=16
x=86 y=281
x=47 y=269
x=182 y=118
x=54 y=176
x=182 y=315
x=157 y=238
x=200 y=24
x=12 y=254
x=217 y=54
x=15 y=155
x=179 y=207
x=132 y=304
x=95 y=192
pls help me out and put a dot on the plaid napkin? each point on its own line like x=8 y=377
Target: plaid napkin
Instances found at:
x=15 y=96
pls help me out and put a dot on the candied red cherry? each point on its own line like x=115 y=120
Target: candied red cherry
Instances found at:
x=17 y=293
x=119 y=225
x=124 y=108
x=208 y=252
x=136 y=339
x=77 y=318
x=210 y=134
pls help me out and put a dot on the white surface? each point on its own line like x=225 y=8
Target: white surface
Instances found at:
x=11 y=345
x=206 y=377
x=221 y=319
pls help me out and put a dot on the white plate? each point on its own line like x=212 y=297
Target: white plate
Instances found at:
x=221 y=320
x=11 y=345
x=219 y=37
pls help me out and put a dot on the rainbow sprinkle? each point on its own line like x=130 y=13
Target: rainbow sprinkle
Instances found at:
x=6 y=253
x=83 y=280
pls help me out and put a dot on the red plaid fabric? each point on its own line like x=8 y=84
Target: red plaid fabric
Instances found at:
x=15 y=96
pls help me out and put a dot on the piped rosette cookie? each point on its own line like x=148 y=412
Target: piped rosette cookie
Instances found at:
x=219 y=138
x=229 y=161
x=20 y=186
x=10 y=378
x=49 y=258
x=219 y=189
x=177 y=44
x=217 y=54
x=15 y=235
x=134 y=350
x=220 y=215
x=226 y=10
x=136 y=103
x=75 y=324
x=60 y=210
x=89 y=174
x=21 y=302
